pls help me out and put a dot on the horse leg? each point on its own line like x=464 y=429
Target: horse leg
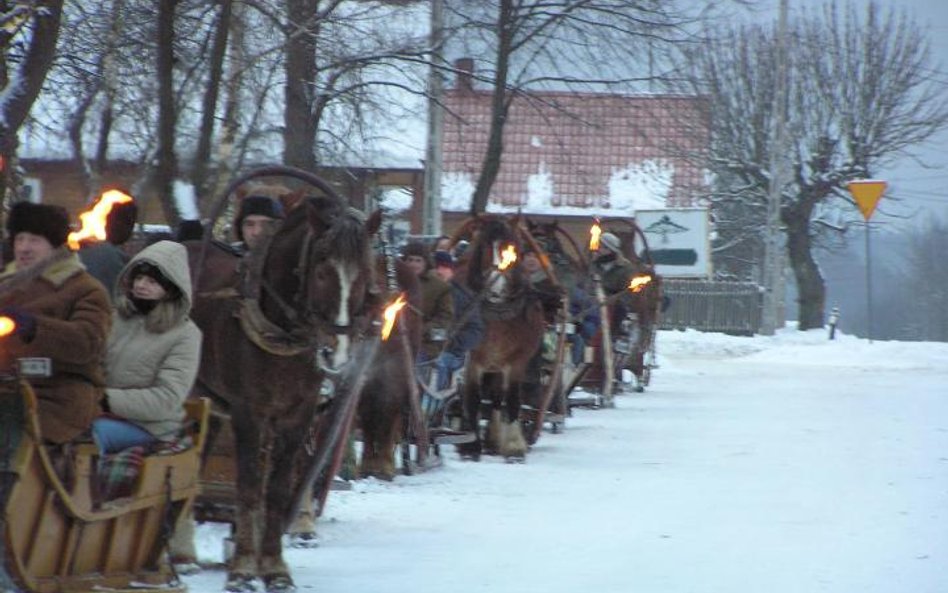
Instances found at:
x=513 y=447
x=279 y=498
x=248 y=517
x=302 y=531
x=380 y=428
x=470 y=419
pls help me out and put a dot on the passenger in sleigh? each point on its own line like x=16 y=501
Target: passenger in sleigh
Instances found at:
x=467 y=328
x=61 y=313
x=153 y=351
x=551 y=297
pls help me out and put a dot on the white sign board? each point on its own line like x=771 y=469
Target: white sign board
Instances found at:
x=679 y=241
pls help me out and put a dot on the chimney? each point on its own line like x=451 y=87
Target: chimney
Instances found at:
x=465 y=73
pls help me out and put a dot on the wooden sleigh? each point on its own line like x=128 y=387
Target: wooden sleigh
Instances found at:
x=56 y=536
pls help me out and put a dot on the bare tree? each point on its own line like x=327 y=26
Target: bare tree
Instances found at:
x=28 y=34
x=860 y=94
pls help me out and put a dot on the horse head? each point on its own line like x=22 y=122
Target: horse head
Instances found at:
x=493 y=266
x=317 y=274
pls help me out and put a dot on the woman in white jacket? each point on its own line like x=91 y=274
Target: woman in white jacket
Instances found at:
x=154 y=350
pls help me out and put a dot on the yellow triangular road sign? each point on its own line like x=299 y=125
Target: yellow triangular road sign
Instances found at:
x=867 y=193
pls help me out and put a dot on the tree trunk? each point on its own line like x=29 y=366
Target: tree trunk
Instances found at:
x=299 y=134
x=202 y=156
x=810 y=285
x=37 y=58
x=499 y=109
x=230 y=123
x=167 y=163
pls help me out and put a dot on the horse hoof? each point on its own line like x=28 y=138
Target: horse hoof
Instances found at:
x=303 y=540
x=278 y=583
x=240 y=583
x=515 y=459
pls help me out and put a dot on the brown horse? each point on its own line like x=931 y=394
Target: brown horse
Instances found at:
x=386 y=401
x=513 y=329
x=301 y=295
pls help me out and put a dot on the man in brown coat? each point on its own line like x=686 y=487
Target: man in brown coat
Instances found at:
x=437 y=307
x=61 y=313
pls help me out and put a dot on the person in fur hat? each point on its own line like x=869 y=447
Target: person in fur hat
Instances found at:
x=153 y=351
x=61 y=312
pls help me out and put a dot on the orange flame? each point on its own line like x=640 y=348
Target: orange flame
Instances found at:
x=639 y=282
x=391 y=314
x=7 y=326
x=93 y=220
x=595 y=231
x=507 y=257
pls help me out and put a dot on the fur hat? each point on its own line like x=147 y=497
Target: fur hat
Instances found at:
x=611 y=242
x=46 y=220
x=260 y=205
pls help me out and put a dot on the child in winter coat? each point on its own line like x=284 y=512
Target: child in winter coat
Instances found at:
x=153 y=351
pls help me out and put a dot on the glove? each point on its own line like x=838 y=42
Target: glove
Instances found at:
x=24 y=320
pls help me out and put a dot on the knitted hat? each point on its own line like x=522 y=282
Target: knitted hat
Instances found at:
x=46 y=220
x=260 y=205
x=443 y=258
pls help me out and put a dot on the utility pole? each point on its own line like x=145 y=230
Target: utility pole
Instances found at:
x=773 y=260
x=431 y=207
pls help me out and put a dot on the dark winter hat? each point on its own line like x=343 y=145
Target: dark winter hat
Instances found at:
x=46 y=220
x=189 y=230
x=260 y=205
x=415 y=248
x=120 y=223
x=443 y=259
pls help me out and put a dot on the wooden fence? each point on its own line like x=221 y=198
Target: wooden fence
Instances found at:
x=727 y=307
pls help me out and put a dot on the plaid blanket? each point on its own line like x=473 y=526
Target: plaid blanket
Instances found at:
x=118 y=472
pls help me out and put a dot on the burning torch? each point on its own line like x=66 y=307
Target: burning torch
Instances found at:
x=390 y=315
x=95 y=219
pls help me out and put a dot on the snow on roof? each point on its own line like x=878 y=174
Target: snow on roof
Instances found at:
x=579 y=153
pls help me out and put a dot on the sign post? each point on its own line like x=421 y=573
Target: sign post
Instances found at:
x=867 y=193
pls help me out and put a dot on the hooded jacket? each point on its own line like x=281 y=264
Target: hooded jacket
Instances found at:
x=72 y=322
x=152 y=360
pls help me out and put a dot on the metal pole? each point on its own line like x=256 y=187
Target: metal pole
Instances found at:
x=772 y=259
x=431 y=209
x=868 y=287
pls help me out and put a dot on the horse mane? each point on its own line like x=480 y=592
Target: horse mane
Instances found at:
x=339 y=227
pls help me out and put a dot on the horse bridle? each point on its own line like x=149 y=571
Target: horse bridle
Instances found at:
x=302 y=314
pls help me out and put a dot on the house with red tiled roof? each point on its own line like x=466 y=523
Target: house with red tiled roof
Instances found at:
x=576 y=154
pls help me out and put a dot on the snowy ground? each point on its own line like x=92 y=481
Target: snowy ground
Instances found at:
x=790 y=464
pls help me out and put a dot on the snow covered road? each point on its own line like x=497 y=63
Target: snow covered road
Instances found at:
x=788 y=465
